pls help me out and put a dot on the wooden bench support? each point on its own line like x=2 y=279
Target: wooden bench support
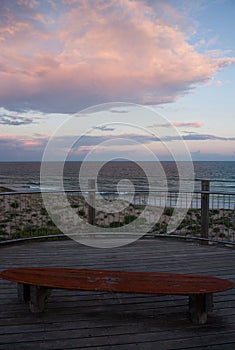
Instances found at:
x=199 y=306
x=24 y=292
x=36 y=296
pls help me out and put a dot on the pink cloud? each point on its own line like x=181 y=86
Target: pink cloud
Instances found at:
x=86 y=54
x=188 y=124
x=30 y=143
x=179 y=124
x=20 y=148
x=23 y=142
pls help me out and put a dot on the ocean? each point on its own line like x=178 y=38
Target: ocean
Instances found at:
x=25 y=176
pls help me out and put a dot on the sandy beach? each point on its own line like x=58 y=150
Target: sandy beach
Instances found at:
x=24 y=215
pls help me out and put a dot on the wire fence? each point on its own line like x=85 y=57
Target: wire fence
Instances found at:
x=210 y=216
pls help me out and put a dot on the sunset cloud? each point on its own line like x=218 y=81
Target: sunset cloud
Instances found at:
x=13 y=118
x=188 y=124
x=178 y=125
x=14 y=147
x=66 y=55
x=33 y=146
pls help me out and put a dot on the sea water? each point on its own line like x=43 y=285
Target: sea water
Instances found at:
x=26 y=175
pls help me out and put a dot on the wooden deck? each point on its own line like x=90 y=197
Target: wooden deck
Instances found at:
x=99 y=320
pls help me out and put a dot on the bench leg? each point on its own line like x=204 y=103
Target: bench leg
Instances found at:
x=38 y=297
x=24 y=292
x=199 y=306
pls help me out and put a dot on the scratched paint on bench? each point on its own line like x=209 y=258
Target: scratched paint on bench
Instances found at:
x=118 y=281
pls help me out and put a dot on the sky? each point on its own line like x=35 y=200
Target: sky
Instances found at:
x=174 y=57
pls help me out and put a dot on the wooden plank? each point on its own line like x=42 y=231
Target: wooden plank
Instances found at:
x=157 y=340
x=91 y=320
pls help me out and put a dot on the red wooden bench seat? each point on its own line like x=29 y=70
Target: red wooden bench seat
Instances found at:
x=35 y=283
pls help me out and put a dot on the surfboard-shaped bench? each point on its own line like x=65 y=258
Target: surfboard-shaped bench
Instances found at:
x=34 y=285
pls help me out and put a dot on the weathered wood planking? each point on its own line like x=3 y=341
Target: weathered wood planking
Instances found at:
x=86 y=320
x=35 y=285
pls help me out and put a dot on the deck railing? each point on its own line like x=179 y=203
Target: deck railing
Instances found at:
x=210 y=217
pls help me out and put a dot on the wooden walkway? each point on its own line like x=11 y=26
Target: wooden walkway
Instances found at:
x=119 y=321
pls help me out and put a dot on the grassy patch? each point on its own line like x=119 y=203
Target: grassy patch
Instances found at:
x=34 y=232
x=14 y=205
x=129 y=218
x=43 y=211
x=168 y=211
x=116 y=224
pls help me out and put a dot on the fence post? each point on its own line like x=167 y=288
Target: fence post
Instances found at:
x=91 y=201
x=205 y=186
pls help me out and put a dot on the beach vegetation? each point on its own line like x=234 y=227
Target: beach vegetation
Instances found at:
x=50 y=223
x=56 y=217
x=225 y=221
x=194 y=229
x=27 y=210
x=187 y=222
x=138 y=206
x=129 y=218
x=163 y=228
x=193 y=211
x=43 y=211
x=14 y=205
x=168 y=211
x=13 y=215
x=74 y=205
x=116 y=224
x=156 y=227
x=141 y=221
x=34 y=232
x=214 y=211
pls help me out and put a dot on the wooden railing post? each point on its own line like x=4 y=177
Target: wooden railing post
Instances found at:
x=91 y=201
x=205 y=187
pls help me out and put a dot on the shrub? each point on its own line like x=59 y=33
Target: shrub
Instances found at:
x=168 y=211
x=224 y=221
x=81 y=212
x=141 y=221
x=129 y=218
x=116 y=224
x=74 y=206
x=214 y=211
x=43 y=211
x=34 y=232
x=194 y=229
x=14 y=205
